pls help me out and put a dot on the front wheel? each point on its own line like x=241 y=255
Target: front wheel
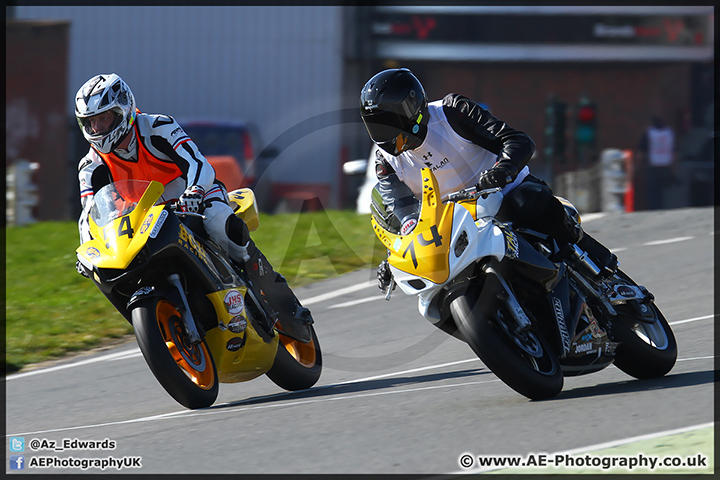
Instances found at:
x=647 y=346
x=524 y=361
x=297 y=365
x=186 y=371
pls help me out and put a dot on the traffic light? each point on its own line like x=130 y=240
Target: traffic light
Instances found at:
x=586 y=122
x=555 y=129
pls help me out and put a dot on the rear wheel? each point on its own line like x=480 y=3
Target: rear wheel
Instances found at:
x=647 y=348
x=523 y=360
x=186 y=371
x=297 y=365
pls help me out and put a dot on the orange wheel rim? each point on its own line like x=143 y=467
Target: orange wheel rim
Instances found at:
x=193 y=360
x=303 y=353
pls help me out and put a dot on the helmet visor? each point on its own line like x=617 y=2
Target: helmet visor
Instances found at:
x=385 y=126
x=100 y=124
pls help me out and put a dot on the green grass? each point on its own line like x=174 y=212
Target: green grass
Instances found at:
x=52 y=311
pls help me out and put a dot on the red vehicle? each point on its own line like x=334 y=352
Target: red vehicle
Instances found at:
x=229 y=148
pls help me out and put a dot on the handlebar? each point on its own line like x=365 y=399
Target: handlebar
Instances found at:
x=471 y=193
x=190 y=214
x=179 y=213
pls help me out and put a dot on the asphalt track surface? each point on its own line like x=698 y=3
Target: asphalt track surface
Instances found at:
x=396 y=395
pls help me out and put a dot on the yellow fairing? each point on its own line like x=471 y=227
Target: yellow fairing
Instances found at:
x=116 y=244
x=240 y=355
x=243 y=204
x=424 y=252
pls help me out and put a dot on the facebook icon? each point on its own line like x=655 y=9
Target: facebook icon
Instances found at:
x=17 y=462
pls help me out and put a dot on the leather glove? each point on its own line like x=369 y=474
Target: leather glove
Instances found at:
x=499 y=175
x=191 y=200
x=384 y=276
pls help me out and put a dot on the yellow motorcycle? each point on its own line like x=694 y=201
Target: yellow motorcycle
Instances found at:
x=196 y=316
x=532 y=315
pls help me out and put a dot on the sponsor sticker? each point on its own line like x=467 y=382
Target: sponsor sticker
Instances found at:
x=238 y=324
x=146 y=224
x=560 y=316
x=626 y=291
x=234 y=302
x=513 y=246
x=158 y=225
x=93 y=252
x=586 y=348
x=408 y=226
x=235 y=344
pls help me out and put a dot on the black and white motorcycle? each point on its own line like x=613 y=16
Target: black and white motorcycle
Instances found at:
x=531 y=318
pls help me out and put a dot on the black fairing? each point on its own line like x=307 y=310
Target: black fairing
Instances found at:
x=531 y=264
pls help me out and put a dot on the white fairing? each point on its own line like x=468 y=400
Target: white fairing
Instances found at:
x=488 y=207
x=484 y=240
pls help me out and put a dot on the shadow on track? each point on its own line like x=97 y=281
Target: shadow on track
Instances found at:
x=354 y=387
x=634 y=385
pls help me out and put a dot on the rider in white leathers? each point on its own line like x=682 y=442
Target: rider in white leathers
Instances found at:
x=464 y=145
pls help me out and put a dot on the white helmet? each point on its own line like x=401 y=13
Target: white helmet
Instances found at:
x=100 y=94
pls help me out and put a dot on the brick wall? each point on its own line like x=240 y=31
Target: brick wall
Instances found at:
x=36 y=120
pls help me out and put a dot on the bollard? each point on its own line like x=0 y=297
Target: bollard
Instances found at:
x=613 y=180
x=24 y=195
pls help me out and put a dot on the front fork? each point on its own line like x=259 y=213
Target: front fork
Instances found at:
x=516 y=311
x=185 y=314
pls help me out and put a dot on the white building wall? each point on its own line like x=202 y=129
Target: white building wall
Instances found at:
x=274 y=66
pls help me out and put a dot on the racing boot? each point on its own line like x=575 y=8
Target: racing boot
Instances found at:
x=603 y=262
x=294 y=320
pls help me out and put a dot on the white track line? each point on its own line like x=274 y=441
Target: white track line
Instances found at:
x=135 y=352
x=356 y=302
x=217 y=410
x=232 y=410
x=668 y=240
x=705 y=317
x=337 y=293
x=229 y=409
x=112 y=356
x=589 y=217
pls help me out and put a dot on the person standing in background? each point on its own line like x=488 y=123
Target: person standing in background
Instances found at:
x=657 y=155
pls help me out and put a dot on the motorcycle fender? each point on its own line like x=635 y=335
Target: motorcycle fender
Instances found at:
x=147 y=292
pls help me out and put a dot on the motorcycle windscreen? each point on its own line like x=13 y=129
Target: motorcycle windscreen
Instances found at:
x=120 y=222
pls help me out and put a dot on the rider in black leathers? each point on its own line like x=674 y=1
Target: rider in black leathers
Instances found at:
x=464 y=145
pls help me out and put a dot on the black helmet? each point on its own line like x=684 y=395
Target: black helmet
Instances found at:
x=394 y=108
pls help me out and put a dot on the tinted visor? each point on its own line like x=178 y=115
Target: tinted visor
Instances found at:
x=385 y=126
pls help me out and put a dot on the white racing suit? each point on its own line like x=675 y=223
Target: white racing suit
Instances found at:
x=463 y=140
